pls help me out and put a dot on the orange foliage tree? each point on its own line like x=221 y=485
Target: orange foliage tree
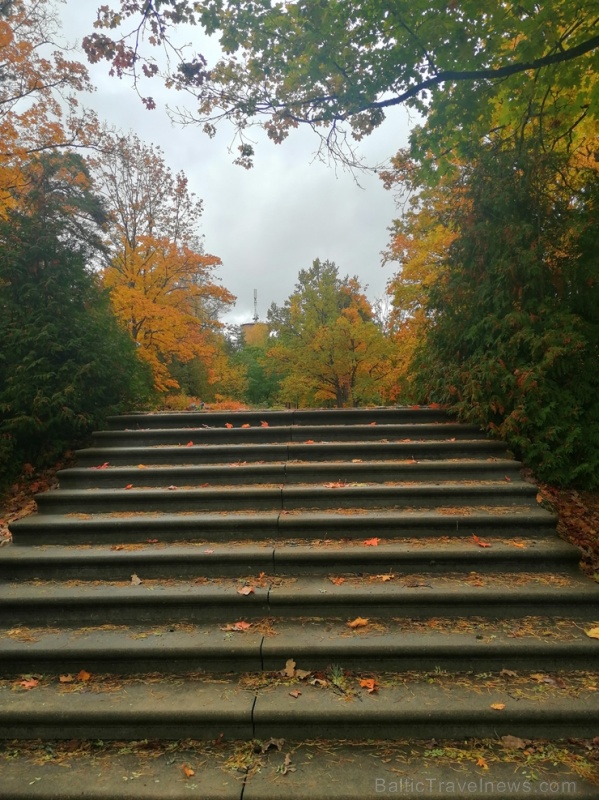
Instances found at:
x=162 y=284
x=38 y=111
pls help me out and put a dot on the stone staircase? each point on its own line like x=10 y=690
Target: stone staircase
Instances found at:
x=295 y=604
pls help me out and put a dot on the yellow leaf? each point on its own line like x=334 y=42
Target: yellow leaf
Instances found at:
x=498 y=706
x=482 y=763
x=593 y=633
x=358 y=622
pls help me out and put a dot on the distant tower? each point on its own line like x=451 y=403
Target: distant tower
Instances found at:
x=255 y=333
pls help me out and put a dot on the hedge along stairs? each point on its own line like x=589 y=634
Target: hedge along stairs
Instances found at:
x=312 y=604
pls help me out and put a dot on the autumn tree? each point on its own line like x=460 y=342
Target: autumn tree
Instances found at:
x=65 y=363
x=39 y=111
x=338 y=67
x=327 y=347
x=163 y=286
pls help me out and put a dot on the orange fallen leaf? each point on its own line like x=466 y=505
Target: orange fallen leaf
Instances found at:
x=593 y=633
x=356 y=461
x=358 y=622
x=507 y=478
x=337 y=485
x=264 y=424
x=189 y=444
x=384 y=578
x=141 y=466
x=246 y=425
x=83 y=675
x=129 y=486
x=309 y=441
x=189 y=771
x=295 y=693
x=228 y=425
x=66 y=679
x=518 y=544
x=480 y=542
x=372 y=423
x=105 y=465
x=237 y=626
x=370 y=684
x=482 y=763
x=434 y=405
x=337 y=581
x=371 y=542
x=497 y=706
x=246 y=590
x=29 y=683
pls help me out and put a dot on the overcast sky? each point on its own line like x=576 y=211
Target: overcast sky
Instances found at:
x=269 y=222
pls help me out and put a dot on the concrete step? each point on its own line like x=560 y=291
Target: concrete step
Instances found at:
x=153 y=437
x=240 y=454
x=296 y=770
x=291 y=473
x=311 y=416
x=317 y=557
x=205 y=707
x=453 y=645
x=279 y=498
x=134 y=527
x=142 y=601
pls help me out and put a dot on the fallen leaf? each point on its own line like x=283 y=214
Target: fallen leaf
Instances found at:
x=135 y=580
x=189 y=444
x=337 y=581
x=237 y=626
x=295 y=693
x=480 y=542
x=540 y=497
x=372 y=423
x=171 y=488
x=141 y=466
x=246 y=590
x=518 y=544
x=208 y=552
x=593 y=633
x=264 y=424
x=66 y=679
x=337 y=485
x=246 y=425
x=105 y=465
x=513 y=742
x=129 y=486
x=507 y=478
x=118 y=547
x=371 y=542
x=189 y=771
x=384 y=578
x=356 y=461
x=288 y=670
x=497 y=706
x=29 y=683
x=83 y=675
x=278 y=743
x=508 y=673
x=152 y=541
x=309 y=441
x=482 y=763
x=228 y=425
x=319 y=682
x=358 y=622
x=302 y=674
x=370 y=684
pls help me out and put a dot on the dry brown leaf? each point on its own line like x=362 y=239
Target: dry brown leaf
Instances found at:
x=246 y=425
x=371 y=542
x=295 y=693
x=29 y=683
x=497 y=706
x=188 y=771
x=135 y=580
x=480 y=762
x=66 y=679
x=480 y=542
x=246 y=590
x=358 y=622
x=508 y=673
x=513 y=742
x=370 y=684
x=264 y=424
x=337 y=581
x=288 y=670
x=83 y=675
